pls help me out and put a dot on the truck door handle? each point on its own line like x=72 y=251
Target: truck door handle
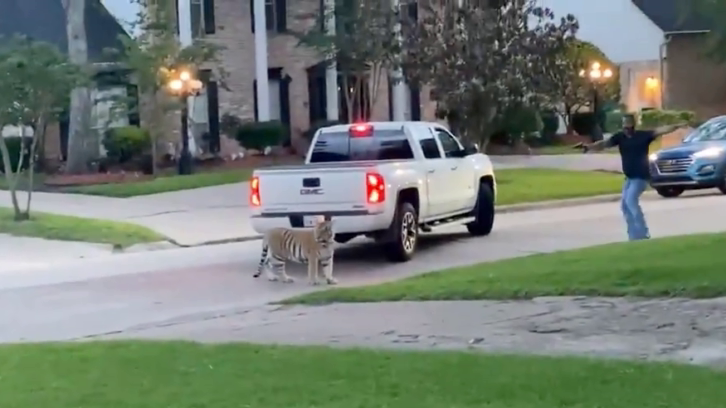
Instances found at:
x=455 y=167
x=431 y=171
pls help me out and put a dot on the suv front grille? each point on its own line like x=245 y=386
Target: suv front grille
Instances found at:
x=668 y=166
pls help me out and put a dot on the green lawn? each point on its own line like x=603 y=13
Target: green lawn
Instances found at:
x=187 y=375
x=164 y=184
x=567 y=149
x=66 y=228
x=516 y=186
x=686 y=266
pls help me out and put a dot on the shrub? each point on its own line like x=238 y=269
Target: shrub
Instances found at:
x=655 y=117
x=310 y=133
x=259 y=135
x=550 y=125
x=516 y=124
x=613 y=121
x=15 y=144
x=229 y=125
x=126 y=143
x=583 y=122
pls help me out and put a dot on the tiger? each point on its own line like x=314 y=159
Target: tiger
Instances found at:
x=311 y=245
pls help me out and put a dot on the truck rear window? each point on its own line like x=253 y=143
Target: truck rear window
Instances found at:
x=383 y=144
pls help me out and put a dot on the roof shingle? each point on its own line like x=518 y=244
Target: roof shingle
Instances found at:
x=45 y=20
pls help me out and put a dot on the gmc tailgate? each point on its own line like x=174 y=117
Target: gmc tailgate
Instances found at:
x=313 y=188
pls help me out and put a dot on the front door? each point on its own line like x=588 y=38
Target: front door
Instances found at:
x=461 y=171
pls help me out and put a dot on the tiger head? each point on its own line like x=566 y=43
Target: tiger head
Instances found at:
x=323 y=230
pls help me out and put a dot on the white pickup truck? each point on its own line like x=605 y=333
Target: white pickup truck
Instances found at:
x=385 y=180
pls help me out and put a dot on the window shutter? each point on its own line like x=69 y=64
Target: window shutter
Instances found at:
x=252 y=15
x=210 y=26
x=390 y=98
x=413 y=10
x=176 y=17
x=132 y=94
x=323 y=15
x=254 y=95
x=281 y=14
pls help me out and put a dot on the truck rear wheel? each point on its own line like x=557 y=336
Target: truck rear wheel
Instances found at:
x=403 y=235
x=484 y=212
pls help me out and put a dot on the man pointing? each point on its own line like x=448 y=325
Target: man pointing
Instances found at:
x=634 y=146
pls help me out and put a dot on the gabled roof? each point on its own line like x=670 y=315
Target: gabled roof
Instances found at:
x=45 y=20
x=671 y=16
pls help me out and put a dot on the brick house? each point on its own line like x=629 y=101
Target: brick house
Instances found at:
x=44 y=20
x=296 y=74
x=691 y=80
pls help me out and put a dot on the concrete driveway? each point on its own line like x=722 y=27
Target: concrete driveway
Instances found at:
x=156 y=294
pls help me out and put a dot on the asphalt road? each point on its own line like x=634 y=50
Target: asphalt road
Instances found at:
x=118 y=294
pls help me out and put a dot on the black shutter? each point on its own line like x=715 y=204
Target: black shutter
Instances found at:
x=413 y=10
x=281 y=14
x=64 y=127
x=285 y=104
x=210 y=26
x=176 y=17
x=254 y=95
x=390 y=98
x=252 y=14
x=213 y=115
x=132 y=95
x=415 y=102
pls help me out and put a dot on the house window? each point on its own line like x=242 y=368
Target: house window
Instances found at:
x=202 y=17
x=197 y=17
x=270 y=15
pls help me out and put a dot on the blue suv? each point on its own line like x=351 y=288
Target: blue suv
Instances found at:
x=698 y=162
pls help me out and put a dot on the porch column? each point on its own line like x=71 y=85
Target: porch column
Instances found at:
x=331 y=71
x=398 y=99
x=184 y=13
x=263 y=82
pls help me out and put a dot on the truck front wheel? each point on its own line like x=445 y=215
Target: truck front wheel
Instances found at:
x=484 y=212
x=403 y=235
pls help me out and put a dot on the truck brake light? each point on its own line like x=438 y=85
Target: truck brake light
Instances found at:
x=255 y=192
x=361 y=130
x=375 y=188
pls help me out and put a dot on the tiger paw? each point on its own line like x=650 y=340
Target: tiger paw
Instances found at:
x=331 y=281
x=314 y=282
x=273 y=278
x=288 y=279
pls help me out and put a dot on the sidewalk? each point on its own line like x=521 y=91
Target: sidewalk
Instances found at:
x=191 y=217
x=684 y=330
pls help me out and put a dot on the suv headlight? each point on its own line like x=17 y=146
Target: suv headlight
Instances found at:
x=652 y=157
x=710 y=152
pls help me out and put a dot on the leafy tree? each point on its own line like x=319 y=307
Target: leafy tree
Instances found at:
x=481 y=61
x=152 y=55
x=568 y=86
x=82 y=144
x=364 y=46
x=36 y=79
x=709 y=13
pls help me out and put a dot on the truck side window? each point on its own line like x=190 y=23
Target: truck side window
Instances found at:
x=448 y=143
x=430 y=148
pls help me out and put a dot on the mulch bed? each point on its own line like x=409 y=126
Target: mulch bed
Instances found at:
x=204 y=165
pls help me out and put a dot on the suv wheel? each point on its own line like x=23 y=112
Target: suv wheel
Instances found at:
x=403 y=236
x=484 y=212
x=669 y=192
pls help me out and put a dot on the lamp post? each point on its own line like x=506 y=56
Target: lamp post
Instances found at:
x=597 y=75
x=183 y=85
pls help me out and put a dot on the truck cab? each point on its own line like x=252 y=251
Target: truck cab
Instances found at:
x=388 y=181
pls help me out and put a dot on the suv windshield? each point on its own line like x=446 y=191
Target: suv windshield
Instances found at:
x=714 y=129
x=382 y=144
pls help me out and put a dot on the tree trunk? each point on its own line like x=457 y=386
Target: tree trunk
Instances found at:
x=80 y=139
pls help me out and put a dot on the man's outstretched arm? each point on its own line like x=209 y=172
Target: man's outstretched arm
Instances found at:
x=596 y=146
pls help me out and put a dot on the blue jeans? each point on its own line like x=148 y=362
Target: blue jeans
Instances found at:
x=630 y=204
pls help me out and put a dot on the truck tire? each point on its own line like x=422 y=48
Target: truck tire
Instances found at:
x=403 y=235
x=669 y=192
x=484 y=212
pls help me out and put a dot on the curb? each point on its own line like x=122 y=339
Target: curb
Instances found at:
x=504 y=209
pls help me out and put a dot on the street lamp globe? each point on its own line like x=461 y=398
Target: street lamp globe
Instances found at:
x=176 y=85
x=185 y=76
x=608 y=73
x=595 y=66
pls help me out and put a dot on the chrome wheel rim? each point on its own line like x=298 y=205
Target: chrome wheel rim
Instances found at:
x=408 y=232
